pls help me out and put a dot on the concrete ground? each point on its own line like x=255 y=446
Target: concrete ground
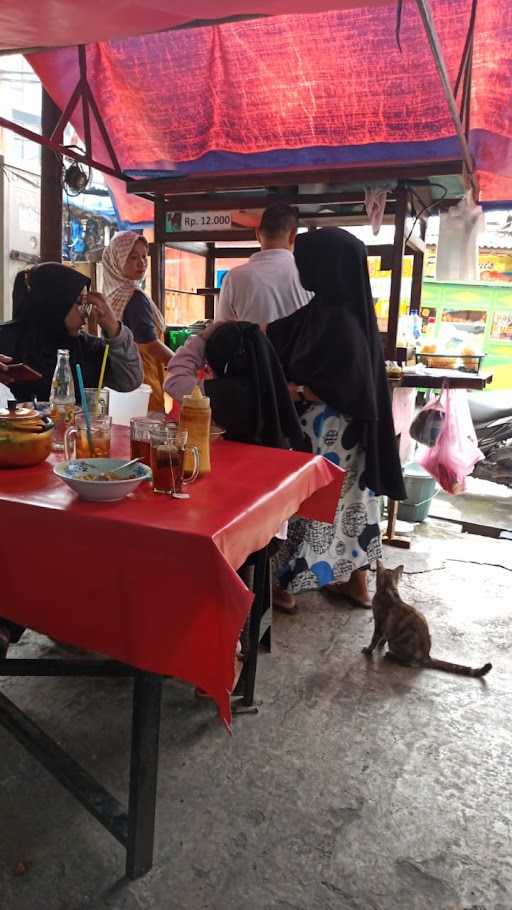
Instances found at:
x=360 y=785
x=483 y=502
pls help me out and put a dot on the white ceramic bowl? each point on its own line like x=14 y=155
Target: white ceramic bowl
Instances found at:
x=71 y=472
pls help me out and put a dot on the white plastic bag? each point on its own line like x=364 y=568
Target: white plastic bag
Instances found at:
x=457 y=248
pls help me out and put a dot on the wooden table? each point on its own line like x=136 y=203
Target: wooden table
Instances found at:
x=435 y=379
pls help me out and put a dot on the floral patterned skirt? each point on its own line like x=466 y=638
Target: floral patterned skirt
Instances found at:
x=315 y=553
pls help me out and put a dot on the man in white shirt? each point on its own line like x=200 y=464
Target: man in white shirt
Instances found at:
x=268 y=286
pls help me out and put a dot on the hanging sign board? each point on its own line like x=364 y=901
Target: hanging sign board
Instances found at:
x=183 y=222
x=174 y=225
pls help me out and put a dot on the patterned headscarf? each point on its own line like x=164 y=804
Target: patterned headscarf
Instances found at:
x=116 y=287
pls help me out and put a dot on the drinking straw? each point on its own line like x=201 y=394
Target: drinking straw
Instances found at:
x=85 y=409
x=102 y=374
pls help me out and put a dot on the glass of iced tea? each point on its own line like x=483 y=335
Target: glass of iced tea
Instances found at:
x=140 y=431
x=168 y=449
x=77 y=439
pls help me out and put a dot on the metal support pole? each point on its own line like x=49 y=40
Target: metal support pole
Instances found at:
x=435 y=46
x=260 y=605
x=98 y=801
x=135 y=830
x=417 y=273
x=209 y=306
x=82 y=62
x=51 y=188
x=396 y=271
x=147 y=695
x=5 y=297
x=157 y=254
x=64 y=150
x=245 y=688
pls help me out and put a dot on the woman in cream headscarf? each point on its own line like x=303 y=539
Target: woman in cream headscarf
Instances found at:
x=124 y=266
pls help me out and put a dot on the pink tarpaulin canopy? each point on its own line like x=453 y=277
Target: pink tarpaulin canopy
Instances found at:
x=297 y=91
x=57 y=23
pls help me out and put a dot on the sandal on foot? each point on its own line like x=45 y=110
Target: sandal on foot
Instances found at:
x=355 y=602
x=283 y=601
x=338 y=590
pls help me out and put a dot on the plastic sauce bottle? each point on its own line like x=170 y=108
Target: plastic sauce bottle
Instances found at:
x=62 y=399
x=196 y=417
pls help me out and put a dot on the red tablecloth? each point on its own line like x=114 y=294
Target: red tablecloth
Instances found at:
x=151 y=580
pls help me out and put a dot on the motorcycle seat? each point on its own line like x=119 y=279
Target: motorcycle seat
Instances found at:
x=489 y=406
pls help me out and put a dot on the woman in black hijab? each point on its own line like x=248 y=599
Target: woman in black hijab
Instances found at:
x=50 y=307
x=248 y=391
x=250 y=396
x=332 y=348
x=49 y=313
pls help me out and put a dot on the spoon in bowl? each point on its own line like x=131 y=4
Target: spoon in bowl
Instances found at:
x=102 y=474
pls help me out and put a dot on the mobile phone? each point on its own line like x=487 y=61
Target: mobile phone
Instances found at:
x=20 y=372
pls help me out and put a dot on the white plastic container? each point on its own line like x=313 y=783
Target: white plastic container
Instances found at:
x=5 y=395
x=125 y=405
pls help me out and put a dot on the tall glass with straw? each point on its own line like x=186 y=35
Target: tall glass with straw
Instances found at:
x=85 y=409
x=101 y=379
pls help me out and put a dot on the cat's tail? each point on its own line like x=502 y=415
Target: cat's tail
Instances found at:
x=448 y=667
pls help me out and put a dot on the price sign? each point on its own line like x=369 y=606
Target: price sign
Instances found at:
x=181 y=222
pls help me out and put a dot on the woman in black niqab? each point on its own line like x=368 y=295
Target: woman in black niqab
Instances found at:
x=332 y=346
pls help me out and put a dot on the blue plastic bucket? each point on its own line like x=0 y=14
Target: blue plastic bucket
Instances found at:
x=420 y=488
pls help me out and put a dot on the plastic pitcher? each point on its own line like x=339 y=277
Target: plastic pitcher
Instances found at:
x=195 y=417
x=125 y=405
x=5 y=395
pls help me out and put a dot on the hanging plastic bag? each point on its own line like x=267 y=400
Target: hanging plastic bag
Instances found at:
x=428 y=423
x=455 y=453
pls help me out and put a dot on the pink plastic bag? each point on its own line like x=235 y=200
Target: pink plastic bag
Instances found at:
x=455 y=453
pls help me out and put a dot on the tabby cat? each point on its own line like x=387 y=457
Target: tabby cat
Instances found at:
x=405 y=629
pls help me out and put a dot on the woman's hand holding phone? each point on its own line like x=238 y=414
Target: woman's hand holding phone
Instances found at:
x=4 y=363
x=16 y=372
